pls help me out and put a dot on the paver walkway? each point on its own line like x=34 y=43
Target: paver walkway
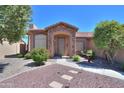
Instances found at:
x=102 y=71
x=50 y=77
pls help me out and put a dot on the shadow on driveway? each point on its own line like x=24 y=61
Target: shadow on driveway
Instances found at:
x=11 y=56
x=32 y=64
x=101 y=64
x=2 y=66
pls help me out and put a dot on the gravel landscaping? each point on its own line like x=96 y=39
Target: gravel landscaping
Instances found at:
x=12 y=66
x=101 y=63
x=51 y=75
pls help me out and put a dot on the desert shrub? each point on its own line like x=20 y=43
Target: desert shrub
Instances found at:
x=76 y=58
x=28 y=55
x=40 y=51
x=39 y=55
x=90 y=53
x=38 y=59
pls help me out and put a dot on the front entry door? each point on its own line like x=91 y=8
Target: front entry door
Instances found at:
x=61 y=46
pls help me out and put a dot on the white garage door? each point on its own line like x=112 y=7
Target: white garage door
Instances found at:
x=40 y=41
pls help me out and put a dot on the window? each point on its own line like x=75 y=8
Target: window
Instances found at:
x=40 y=41
x=79 y=45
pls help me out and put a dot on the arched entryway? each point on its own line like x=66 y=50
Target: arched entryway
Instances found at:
x=61 y=39
x=61 y=44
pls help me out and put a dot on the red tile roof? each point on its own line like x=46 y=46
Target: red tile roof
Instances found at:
x=84 y=34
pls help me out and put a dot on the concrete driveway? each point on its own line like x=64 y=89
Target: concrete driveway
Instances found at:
x=60 y=76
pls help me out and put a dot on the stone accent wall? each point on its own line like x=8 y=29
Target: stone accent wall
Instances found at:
x=31 y=42
x=50 y=43
x=61 y=30
x=73 y=43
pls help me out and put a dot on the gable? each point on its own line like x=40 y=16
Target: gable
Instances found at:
x=62 y=25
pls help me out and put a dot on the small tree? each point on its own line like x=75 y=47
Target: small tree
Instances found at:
x=14 y=20
x=109 y=35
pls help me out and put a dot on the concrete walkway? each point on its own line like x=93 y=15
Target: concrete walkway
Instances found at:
x=102 y=71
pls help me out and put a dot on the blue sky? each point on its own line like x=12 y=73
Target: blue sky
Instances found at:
x=84 y=17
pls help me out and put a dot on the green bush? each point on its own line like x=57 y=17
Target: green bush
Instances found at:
x=76 y=58
x=90 y=53
x=28 y=56
x=40 y=51
x=20 y=55
x=39 y=55
x=93 y=55
x=38 y=59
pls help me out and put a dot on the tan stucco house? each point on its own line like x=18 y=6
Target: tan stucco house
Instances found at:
x=60 y=39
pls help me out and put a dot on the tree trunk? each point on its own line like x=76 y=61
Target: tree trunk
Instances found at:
x=108 y=57
x=111 y=54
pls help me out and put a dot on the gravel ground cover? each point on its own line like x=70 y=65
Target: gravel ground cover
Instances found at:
x=11 y=66
x=43 y=76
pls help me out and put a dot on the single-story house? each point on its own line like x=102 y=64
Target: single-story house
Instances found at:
x=60 y=39
x=64 y=39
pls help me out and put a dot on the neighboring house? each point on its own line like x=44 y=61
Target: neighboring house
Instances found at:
x=7 y=49
x=60 y=39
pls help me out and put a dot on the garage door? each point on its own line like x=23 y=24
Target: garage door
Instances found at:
x=40 y=41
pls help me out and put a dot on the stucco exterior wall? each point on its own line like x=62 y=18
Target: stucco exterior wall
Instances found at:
x=90 y=43
x=119 y=55
x=7 y=49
